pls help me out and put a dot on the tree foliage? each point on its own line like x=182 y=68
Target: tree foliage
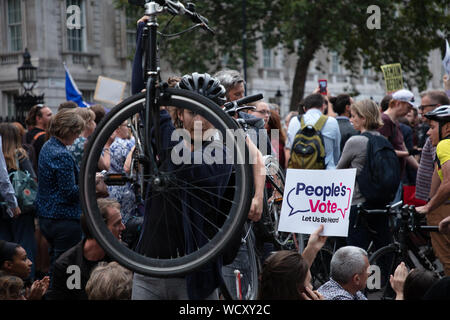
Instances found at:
x=409 y=30
x=200 y=51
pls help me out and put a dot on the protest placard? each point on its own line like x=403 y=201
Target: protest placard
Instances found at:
x=392 y=77
x=446 y=60
x=315 y=197
x=109 y=90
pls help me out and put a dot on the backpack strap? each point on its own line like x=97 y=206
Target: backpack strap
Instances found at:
x=320 y=123
x=302 y=122
x=37 y=135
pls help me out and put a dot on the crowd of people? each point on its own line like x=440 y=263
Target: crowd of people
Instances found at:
x=41 y=248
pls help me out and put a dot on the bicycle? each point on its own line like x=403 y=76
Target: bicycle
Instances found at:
x=320 y=269
x=410 y=246
x=152 y=165
x=246 y=279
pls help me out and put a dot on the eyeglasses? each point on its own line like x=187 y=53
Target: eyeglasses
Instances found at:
x=421 y=107
x=263 y=112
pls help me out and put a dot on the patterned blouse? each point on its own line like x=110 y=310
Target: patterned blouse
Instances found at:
x=77 y=149
x=123 y=194
x=58 y=195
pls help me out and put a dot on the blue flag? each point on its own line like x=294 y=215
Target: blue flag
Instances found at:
x=72 y=92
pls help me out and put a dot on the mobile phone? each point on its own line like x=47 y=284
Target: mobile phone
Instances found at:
x=323 y=86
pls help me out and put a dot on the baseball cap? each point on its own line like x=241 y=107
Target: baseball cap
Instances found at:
x=404 y=95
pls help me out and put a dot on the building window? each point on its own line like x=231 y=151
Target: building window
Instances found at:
x=76 y=35
x=130 y=21
x=267 y=58
x=8 y=111
x=335 y=63
x=14 y=25
x=88 y=96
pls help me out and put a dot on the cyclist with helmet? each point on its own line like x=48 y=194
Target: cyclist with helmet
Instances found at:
x=166 y=233
x=438 y=207
x=211 y=88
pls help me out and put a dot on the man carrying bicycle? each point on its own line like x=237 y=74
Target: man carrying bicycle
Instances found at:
x=438 y=207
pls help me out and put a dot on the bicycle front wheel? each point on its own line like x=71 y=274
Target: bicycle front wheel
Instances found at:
x=199 y=208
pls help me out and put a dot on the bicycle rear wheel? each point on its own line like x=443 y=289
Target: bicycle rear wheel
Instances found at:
x=383 y=264
x=223 y=212
x=247 y=262
x=320 y=269
x=275 y=178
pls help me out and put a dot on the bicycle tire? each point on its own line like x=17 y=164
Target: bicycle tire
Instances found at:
x=239 y=203
x=320 y=268
x=386 y=260
x=273 y=198
x=251 y=270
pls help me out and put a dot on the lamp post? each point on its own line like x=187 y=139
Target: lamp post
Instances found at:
x=278 y=96
x=27 y=77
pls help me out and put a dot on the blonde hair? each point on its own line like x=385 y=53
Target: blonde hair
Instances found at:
x=368 y=110
x=10 y=287
x=65 y=122
x=87 y=114
x=109 y=281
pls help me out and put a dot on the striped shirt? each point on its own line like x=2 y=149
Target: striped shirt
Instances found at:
x=425 y=171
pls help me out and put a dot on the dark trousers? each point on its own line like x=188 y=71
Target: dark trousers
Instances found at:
x=61 y=235
x=362 y=235
x=21 y=230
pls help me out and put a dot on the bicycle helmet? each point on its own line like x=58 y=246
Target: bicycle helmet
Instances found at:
x=440 y=114
x=204 y=84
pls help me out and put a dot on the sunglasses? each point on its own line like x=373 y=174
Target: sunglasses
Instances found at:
x=421 y=107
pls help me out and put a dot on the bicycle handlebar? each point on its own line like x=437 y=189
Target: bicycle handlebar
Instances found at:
x=387 y=209
x=177 y=8
x=429 y=228
x=235 y=106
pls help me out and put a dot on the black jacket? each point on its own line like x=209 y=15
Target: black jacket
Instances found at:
x=59 y=289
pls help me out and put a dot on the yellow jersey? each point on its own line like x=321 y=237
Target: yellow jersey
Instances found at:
x=442 y=154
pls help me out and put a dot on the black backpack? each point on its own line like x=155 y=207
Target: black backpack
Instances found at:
x=381 y=175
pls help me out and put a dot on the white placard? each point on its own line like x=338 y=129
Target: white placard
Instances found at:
x=109 y=90
x=315 y=197
x=446 y=60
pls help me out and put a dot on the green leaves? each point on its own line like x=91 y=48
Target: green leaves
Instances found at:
x=408 y=31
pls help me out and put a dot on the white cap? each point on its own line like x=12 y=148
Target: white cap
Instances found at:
x=404 y=95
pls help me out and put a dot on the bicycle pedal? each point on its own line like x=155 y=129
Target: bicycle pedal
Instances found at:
x=116 y=179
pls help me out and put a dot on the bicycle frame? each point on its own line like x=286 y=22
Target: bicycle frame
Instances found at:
x=151 y=77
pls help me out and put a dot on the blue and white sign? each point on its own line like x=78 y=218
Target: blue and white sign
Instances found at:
x=315 y=197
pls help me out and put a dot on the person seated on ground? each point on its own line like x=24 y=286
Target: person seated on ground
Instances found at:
x=14 y=262
x=109 y=281
x=285 y=274
x=11 y=288
x=85 y=255
x=348 y=275
x=411 y=285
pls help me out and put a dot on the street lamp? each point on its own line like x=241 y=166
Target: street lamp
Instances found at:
x=27 y=77
x=27 y=73
x=278 y=97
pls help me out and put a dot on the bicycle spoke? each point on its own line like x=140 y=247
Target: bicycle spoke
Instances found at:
x=210 y=205
x=206 y=191
x=192 y=224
